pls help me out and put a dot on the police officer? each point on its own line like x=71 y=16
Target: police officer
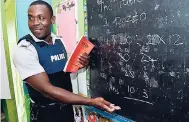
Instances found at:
x=40 y=58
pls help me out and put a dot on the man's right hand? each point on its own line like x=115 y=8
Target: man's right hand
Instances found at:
x=41 y=83
x=99 y=102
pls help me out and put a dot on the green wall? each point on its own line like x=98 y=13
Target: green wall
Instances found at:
x=8 y=16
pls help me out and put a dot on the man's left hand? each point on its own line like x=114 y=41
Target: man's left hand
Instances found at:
x=83 y=59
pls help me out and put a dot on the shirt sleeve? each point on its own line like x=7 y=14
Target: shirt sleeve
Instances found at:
x=26 y=62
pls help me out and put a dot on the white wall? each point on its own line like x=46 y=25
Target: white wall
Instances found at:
x=4 y=83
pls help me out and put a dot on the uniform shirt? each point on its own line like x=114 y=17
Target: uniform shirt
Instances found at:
x=26 y=59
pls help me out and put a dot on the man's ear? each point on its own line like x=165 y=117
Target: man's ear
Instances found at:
x=53 y=19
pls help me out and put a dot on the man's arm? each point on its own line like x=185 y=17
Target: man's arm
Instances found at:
x=41 y=83
x=27 y=63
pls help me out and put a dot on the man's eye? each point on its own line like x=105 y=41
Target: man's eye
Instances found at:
x=41 y=18
x=30 y=18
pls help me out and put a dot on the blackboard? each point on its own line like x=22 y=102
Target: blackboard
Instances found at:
x=141 y=58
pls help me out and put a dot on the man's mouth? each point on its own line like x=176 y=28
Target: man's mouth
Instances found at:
x=37 y=30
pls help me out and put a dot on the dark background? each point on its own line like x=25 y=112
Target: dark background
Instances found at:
x=141 y=58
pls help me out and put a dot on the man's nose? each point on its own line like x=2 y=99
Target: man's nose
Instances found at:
x=36 y=21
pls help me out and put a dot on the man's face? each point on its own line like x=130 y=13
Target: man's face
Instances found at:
x=40 y=20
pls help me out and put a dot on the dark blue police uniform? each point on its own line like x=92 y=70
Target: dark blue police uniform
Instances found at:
x=53 y=59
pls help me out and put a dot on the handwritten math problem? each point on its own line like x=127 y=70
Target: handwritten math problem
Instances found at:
x=141 y=59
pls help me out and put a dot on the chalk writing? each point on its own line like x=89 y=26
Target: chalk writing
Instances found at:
x=129 y=2
x=139 y=100
x=130 y=18
x=141 y=55
x=154 y=39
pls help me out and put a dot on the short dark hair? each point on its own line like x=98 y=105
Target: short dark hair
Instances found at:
x=41 y=2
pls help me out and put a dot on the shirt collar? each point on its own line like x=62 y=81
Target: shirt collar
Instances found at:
x=40 y=40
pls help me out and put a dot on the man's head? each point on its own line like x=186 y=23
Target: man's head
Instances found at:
x=40 y=19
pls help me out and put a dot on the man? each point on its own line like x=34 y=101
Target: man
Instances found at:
x=49 y=87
